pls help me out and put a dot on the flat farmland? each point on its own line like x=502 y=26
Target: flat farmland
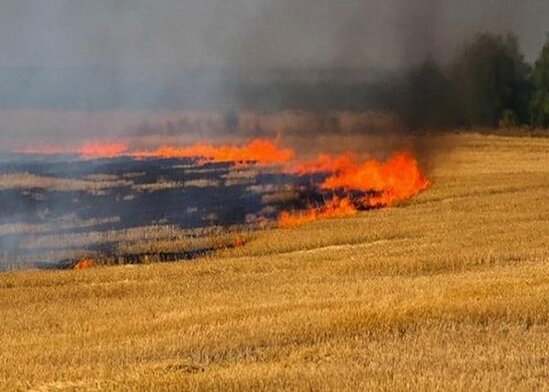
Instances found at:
x=447 y=291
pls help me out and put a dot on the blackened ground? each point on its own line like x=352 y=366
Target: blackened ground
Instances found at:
x=180 y=192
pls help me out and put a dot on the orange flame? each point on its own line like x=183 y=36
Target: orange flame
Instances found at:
x=82 y=264
x=399 y=178
x=382 y=183
x=262 y=151
x=324 y=163
x=102 y=150
x=335 y=208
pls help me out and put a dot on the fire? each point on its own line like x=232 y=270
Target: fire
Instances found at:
x=334 y=208
x=83 y=263
x=348 y=184
x=261 y=151
x=380 y=183
x=324 y=163
x=93 y=150
x=398 y=178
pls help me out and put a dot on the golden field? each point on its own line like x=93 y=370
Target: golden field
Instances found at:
x=449 y=291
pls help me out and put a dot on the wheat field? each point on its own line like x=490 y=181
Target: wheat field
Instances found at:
x=449 y=291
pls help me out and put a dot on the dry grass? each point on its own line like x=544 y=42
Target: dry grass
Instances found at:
x=447 y=292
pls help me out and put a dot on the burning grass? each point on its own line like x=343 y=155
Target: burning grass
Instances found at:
x=261 y=151
x=380 y=184
x=341 y=185
x=448 y=292
x=334 y=208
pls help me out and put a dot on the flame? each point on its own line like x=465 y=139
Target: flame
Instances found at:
x=262 y=151
x=93 y=150
x=83 y=263
x=324 y=163
x=377 y=183
x=334 y=208
x=398 y=178
x=383 y=184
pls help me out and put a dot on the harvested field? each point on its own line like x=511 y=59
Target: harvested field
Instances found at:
x=447 y=291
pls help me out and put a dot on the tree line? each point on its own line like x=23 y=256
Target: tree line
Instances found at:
x=488 y=83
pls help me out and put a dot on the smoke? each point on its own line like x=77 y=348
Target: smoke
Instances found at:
x=375 y=33
x=78 y=70
x=149 y=42
x=163 y=70
x=75 y=71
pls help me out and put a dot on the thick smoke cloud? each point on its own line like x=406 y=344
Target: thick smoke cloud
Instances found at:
x=133 y=33
x=149 y=56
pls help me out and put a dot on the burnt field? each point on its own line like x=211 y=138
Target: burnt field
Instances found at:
x=55 y=209
x=456 y=276
x=112 y=204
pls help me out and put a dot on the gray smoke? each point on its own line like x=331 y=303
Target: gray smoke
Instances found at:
x=75 y=70
x=143 y=56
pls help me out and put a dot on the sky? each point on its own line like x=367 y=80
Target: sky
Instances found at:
x=75 y=67
x=253 y=33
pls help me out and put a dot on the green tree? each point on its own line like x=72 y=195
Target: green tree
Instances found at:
x=491 y=79
x=539 y=104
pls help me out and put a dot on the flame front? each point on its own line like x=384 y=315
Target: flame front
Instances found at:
x=262 y=151
x=82 y=264
x=324 y=163
x=380 y=183
x=347 y=184
x=398 y=178
x=94 y=150
x=334 y=208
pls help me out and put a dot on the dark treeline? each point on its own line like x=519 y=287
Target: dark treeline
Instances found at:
x=488 y=83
